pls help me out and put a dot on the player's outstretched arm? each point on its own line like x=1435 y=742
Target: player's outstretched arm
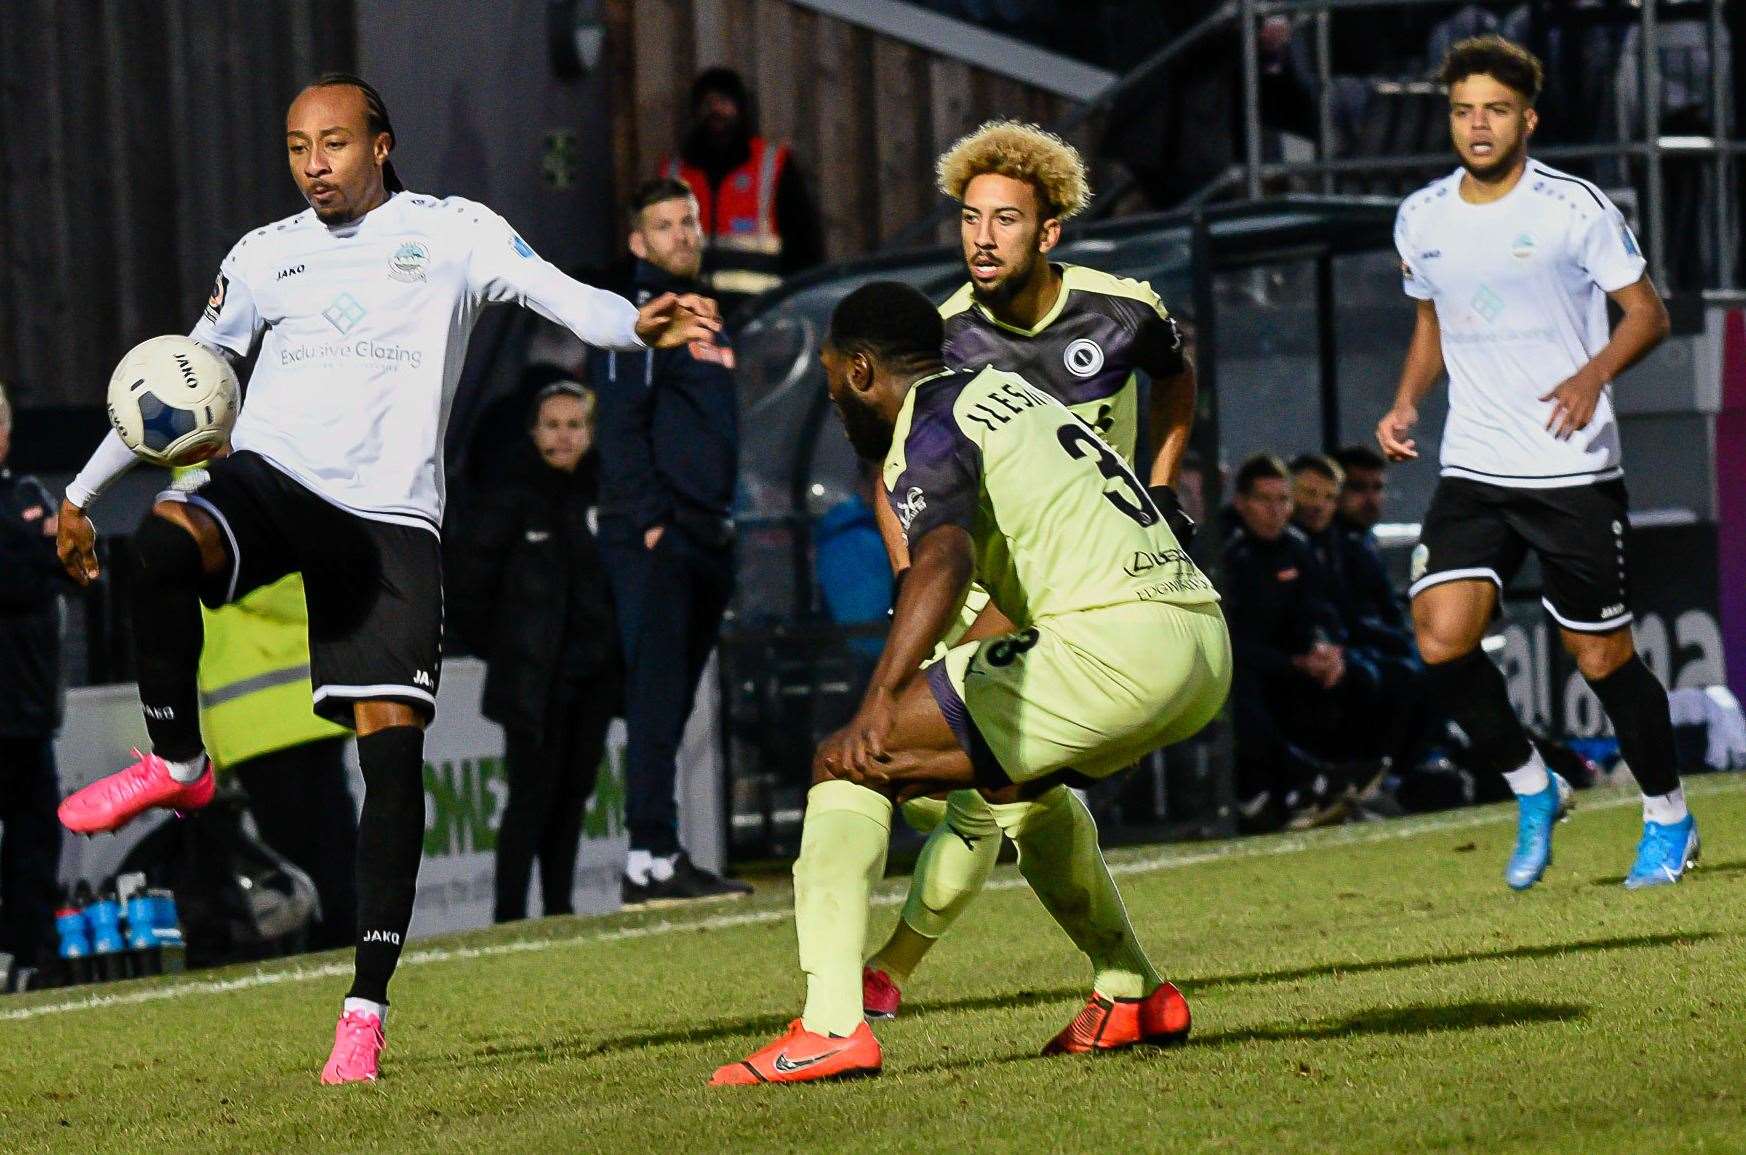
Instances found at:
x=75 y=536
x=941 y=565
x=1424 y=364
x=1643 y=326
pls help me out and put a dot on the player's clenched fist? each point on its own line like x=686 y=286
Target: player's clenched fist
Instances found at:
x=857 y=750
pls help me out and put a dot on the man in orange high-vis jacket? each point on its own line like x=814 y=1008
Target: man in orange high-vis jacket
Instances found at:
x=760 y=222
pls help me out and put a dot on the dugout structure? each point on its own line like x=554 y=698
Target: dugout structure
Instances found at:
x=1296 y=320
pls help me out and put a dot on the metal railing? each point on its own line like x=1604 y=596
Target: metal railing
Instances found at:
x=1715 y=147
x=1249 y=179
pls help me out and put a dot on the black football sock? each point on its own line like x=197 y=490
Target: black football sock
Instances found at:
x=1472 y=692
x=168 y=634
x=390 y=843
x=1636 y=704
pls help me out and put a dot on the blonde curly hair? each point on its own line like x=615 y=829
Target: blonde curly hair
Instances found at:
x=1024 y=152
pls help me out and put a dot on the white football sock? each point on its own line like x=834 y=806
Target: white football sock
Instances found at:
x=636 y=866
x=1530 y=777
x=1665 y=809
x=661 y=869
x=365 y=1006
x=189 y=771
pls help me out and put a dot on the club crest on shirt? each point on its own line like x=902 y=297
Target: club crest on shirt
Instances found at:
x=913 y=503
x=1523 y=246
x=215 y=302
x=409 y=262
x=1083 y=357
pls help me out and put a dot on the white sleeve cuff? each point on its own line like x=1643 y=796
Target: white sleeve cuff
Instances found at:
x=112 y=459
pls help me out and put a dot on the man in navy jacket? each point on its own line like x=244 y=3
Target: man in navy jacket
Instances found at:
x=669 y=444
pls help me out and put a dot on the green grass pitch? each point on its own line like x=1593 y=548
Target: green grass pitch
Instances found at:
x=1371 y=988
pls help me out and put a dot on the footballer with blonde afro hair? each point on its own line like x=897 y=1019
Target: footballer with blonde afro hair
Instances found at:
x=1015 y=184
x=1085 y=337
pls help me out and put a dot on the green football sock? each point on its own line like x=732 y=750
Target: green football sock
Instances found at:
x=1059 y=857
x=954 y=866
x=842 y=854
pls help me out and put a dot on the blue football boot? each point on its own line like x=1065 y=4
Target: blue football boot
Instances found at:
x=1536 y=814
x=1665 y=852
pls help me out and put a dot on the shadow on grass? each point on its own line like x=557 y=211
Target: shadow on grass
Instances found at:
x=1412 y=1020
x=1409 y=1020
x=1701 y=871
x=759 y=1028
x=1547 y=950
x=1422 y=1019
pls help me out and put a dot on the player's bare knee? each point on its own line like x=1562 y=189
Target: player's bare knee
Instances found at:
x=198 y=524
x=1598 y=655
x=374 y=716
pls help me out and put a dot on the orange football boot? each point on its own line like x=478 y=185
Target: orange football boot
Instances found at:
x=802 y=1056
x=1160 y=1019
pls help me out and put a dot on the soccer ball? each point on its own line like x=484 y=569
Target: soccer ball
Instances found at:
x=173 y=401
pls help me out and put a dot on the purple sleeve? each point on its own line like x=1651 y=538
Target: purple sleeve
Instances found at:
x=941 y=482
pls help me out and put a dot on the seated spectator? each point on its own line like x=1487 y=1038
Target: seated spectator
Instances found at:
x=1290 y=688
x=1380 y=658
x=1377 y=615
x=530 y=596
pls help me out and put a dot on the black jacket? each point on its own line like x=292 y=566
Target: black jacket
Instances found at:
x=30 y=623
x=1274 y=601
x=527 y=592
x=1369 y=605
x=667 y=426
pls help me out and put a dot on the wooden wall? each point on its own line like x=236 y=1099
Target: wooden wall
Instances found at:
x=865 y=114
x=138 y=140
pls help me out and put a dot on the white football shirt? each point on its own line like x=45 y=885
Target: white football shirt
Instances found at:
x=1520 y=289
x=363 y=329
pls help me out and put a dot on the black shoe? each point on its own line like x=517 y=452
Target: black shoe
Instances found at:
x=688 y=883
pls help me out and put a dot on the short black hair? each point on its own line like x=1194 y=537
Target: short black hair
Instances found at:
x=1360 y=457
x=724 y=81
x=1258 y=468
x=1320 y=464
x=654 y=192
x=892 y=322
x=1504 y=61
x=375 y=117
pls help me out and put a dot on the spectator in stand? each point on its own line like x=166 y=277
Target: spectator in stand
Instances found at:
x=1377 y=617
x=669 y=454
x=1290 y=675
x=1315 y=494
x=530 y=596
x=30 y=714
x=1382 y=666
x=759 y=220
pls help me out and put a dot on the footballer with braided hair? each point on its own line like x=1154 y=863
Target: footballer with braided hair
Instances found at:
x=1084 y=337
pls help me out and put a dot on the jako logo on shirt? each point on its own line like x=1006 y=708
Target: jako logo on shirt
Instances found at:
x=913 y=503
x=1083 y=357
x=409 y=262
x=387 y=936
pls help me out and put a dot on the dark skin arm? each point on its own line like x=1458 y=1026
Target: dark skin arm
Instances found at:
x=1171 y=419
x=941 y=565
